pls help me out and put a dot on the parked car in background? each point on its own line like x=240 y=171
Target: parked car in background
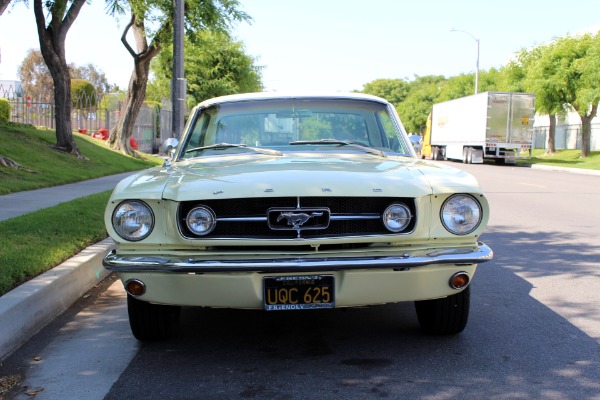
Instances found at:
x=294 y=202
x=416 y=142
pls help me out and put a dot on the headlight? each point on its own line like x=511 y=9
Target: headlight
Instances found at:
x=461 y=214
x=133 y=220
x=396 y=217
x=201 y=220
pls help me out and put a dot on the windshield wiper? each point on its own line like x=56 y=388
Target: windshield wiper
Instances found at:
x=341 y=143
x=221 y=146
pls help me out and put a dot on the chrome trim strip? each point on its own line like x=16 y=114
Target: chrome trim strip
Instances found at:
x=241 y=219
x=346 y=217
x=177 y=264
x=333 y=217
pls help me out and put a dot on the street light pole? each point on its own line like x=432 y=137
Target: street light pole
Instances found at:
x=477 y=62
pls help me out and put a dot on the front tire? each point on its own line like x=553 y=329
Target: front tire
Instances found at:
x=446 y=316
x=151 y=322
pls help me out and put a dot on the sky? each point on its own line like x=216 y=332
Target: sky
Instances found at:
x=335 y=45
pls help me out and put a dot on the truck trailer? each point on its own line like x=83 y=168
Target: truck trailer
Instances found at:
x=488 y=125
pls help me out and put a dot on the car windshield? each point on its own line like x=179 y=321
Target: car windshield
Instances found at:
x=276 y=125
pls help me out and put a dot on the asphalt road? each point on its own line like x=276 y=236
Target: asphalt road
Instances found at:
x=533 y=333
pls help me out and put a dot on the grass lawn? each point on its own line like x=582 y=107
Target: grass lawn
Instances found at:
x=30 y=148
x=34 y=243
x=565 y=158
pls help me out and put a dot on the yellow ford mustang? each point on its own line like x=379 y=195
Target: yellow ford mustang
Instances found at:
x=289 y=202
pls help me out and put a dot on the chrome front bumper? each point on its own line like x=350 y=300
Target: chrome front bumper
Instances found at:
x=177 y=264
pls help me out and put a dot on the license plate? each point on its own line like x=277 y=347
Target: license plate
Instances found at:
x=298 y=292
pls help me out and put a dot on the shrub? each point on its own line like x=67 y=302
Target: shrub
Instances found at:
x=83 y=93
x=4 y=111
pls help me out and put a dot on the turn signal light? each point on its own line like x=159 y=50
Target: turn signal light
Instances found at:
x=135 y=287
x=459 y=280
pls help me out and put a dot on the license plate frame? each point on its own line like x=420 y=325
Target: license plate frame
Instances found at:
x=298 y=292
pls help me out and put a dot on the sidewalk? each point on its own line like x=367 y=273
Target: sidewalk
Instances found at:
x=29 y=307
x=16 y=204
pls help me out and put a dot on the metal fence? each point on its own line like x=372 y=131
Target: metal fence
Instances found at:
x=566 y=137
x=91 y=114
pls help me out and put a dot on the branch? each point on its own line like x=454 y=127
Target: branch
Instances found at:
x=40 y=20
x=71 y=15
x=124 y=37
x=145 y=51
x=594 y=110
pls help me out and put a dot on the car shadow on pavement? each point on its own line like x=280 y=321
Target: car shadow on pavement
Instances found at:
x=515 y=346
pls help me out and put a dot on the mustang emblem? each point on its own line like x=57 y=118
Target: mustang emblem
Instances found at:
x=297 y=219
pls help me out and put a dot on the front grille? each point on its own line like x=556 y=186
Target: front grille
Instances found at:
x=349 y=216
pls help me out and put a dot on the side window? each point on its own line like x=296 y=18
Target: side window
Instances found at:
x=199 y=131
x=197 y=136
x=390 y=134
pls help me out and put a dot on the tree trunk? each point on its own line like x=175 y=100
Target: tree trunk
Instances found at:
x=63 y=107
x=52 y=45
x=550 y=143
x=3 y=5
x=586 y=131
x=123 y=129
x=120 y=135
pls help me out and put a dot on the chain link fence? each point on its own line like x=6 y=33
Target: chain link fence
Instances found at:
x=91 y=115
x=566 y=137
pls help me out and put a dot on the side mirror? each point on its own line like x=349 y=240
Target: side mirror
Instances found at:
x=169 y=146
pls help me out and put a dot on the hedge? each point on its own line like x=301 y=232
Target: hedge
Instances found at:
x=4 y=111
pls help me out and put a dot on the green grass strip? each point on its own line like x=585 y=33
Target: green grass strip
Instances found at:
x=565 y=158
x=34 y=243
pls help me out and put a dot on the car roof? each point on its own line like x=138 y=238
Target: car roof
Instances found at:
x=290 y=96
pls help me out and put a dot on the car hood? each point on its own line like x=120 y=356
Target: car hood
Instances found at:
x=296 y=174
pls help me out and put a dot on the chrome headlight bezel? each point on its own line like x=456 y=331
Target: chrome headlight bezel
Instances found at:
x=395 y=212
x=207 y=218
x=461 y=214
x=133 y=220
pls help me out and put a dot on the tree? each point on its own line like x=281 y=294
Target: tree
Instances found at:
x=215 y=65
x=565 y=78
x=489 y=80
x=585 y=52
x=62 y=14
x=83 y=94
x=93 y=75
x=456 y=87
x=535 y=71
x=424 y=92
x=35 y=77
x=393 y=90
x=199 y=14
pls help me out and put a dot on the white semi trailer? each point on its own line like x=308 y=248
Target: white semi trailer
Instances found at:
x=488 y=125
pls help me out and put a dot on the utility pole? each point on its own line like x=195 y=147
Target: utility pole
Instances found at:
x=178 y=82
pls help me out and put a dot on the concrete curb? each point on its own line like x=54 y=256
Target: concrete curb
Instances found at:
x=28 y=308
x=579 y=171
